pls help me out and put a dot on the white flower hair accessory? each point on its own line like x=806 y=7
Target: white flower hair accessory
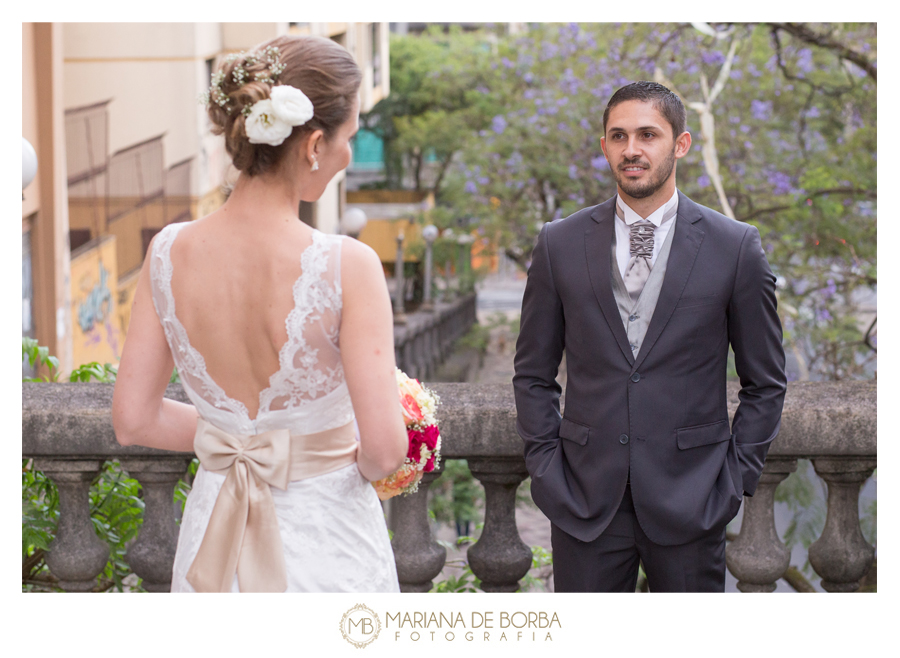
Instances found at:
x=271 y=120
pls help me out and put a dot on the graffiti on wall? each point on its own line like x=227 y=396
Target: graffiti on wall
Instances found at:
x=95 y=322
x=97 y=304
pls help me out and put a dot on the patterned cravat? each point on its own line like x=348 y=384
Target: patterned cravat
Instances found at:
x=641 y=248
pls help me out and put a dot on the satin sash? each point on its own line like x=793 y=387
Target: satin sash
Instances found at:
x=242 y=535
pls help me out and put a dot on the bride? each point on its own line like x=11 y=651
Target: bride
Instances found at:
x=282 y=336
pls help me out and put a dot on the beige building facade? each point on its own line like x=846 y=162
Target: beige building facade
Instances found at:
x=124 y=148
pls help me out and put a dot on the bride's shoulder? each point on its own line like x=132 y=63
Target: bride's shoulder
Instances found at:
x=358 y=260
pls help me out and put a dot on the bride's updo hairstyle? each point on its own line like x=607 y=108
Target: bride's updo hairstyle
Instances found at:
x=319 y=67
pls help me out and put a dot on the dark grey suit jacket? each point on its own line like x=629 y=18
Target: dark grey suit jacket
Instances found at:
x=664 y=414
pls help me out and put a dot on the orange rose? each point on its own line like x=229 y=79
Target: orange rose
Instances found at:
x=411 y=387
x=394 y=484
x=412 y=413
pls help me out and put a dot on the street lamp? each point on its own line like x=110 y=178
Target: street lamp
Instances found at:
x=448 y=235
x=430 y=234
x=353 y=222
x=464 y=240
x=29 y=164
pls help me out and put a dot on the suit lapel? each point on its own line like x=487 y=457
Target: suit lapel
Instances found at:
x=598 y=246
x=685 y=245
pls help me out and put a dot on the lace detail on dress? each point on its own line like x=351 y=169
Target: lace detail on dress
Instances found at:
x=309 y=361
x=189 y=362
x=310 y=364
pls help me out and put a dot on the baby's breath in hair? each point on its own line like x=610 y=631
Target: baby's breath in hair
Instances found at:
x=271 y=56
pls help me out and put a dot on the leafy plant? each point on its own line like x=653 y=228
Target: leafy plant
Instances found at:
x=116 y=504
x=117 y=514
x=40 y=356
x=455 y=497
x=93 y=370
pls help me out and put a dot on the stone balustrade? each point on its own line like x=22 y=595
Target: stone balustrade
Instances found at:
x=427 y=338
x=67 y=430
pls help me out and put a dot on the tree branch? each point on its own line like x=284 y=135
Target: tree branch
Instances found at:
x=868 y=339
x=802 y=32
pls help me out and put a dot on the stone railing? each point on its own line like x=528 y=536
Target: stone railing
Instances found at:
x=67 y=430
x=427 y=338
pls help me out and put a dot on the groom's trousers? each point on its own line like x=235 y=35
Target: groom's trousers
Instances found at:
x=610 y=562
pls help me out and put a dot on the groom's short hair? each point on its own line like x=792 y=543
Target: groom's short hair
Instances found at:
x=662 y=98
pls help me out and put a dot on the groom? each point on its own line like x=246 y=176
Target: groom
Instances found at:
x=644 y=293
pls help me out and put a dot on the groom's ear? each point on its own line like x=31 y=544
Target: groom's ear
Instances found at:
x=603 y=147
x=683 y=144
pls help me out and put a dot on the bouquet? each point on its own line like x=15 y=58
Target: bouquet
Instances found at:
x=418 y=405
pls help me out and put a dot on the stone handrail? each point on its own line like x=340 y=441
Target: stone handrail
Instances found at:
x=428 y=336
x=67 y=430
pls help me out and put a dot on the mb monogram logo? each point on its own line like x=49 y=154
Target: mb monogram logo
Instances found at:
x=360 y=626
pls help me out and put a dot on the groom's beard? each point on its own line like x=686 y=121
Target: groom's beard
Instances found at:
x=642 y=189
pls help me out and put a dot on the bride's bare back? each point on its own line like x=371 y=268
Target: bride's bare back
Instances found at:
x=232 y=274
x=233 y=291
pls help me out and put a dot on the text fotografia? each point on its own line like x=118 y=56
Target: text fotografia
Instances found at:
x=479 y=626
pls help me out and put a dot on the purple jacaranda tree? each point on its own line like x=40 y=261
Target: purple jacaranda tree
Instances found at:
x=794 y=131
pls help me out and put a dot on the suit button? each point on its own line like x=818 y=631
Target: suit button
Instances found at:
x=623 y=439
x=636 y=377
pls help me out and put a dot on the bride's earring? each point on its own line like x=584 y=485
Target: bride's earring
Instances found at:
x=315 y=165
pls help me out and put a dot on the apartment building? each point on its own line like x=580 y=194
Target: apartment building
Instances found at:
x=124 y=148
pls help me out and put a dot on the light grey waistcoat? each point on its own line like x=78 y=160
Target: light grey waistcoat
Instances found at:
x=636 y=316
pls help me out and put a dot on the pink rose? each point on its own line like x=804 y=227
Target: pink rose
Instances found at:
x=416 y=440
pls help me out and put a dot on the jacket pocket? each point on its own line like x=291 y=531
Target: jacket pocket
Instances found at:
x=574 y=432
x=702 y=435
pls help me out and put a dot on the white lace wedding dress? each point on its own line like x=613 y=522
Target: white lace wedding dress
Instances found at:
x=332 y=526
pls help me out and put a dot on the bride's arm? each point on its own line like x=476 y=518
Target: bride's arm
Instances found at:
x=367 y=353
x=141 y=416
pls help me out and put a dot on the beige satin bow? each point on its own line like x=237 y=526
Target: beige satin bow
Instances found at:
x=243 y=534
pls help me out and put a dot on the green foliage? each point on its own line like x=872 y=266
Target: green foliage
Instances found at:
x=116 y=510
x=40 y=356
x=117 y=514
x=538 y=577
x=805 y=495
x=456 y=496
x=433 y=102
x=477 y=338
x=116 y=504
x=40 y=513
x=794 y=136
x=466 y=581
x=105 y=373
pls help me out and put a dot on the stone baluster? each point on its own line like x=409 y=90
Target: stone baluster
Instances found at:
x=499 y=557
x=842 y=556
x=428 y=353
x=76 y=556
x=398 y=356
x=408 y=360
x=758 y=558
x=153 y=552
x=418 y=556
x=421 y=353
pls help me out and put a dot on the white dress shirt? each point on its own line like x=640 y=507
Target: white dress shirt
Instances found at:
x=623 y=230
